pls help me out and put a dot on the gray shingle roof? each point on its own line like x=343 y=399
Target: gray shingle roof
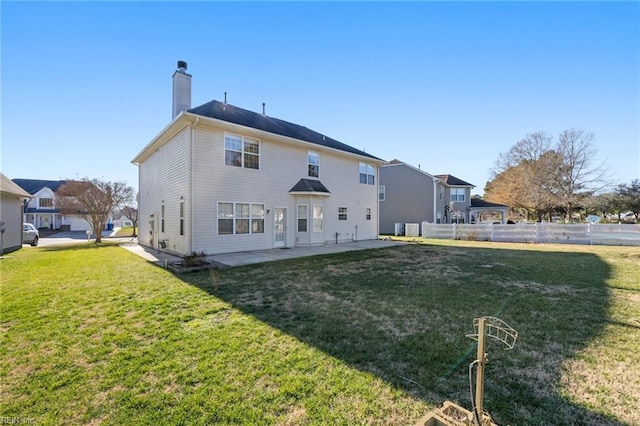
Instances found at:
x=479 y=202
x=309 y=185
x=232 y=114
x=453 y=181
x=34 y=185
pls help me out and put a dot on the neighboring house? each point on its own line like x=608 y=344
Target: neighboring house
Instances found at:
x=41 y=210
x=411 y=195
x=407 y=195
x=12 y=199
x=122 y=221
x=456 y=196
x=223 y=179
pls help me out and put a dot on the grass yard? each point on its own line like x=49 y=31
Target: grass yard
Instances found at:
x=95 y=335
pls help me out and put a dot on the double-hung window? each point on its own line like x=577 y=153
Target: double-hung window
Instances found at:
x=240 y=218
x=342 y=213
x=382 y=192
x=241 y=152
x=318 y=218
x=367 y=174
x=181 y=212
x=162 y=217
x=45 y=203
x=313 y=163
x=457 y=194
x=303 y=216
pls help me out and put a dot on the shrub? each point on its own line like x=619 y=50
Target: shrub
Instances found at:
x=194 y=259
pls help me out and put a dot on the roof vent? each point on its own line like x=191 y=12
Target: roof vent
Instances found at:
x=182 y=66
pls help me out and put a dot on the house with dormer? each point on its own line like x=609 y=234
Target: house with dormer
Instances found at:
x=220 y=179
x=41 y=209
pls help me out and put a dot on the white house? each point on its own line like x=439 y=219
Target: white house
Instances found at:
x=41 y=210
x=223 y=179
x=11 y=205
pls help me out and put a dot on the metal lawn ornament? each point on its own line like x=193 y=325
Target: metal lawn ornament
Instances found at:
x=498 y=330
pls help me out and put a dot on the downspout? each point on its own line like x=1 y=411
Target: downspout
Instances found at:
x=435 y=198
x=378 y=204
x=191 y=186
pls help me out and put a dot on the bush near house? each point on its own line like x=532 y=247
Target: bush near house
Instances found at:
x=94 y=334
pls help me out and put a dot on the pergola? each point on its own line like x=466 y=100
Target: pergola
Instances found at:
x=479 y=205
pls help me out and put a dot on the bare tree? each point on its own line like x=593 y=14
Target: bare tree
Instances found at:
x=130 y=211
x=92 y=199
x=579 y=173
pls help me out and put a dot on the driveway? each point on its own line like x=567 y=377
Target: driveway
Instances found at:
x=74 y=237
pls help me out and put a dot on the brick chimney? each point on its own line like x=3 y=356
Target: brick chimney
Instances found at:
x=181 y=89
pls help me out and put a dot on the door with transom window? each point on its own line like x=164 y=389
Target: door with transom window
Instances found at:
x=279 y=227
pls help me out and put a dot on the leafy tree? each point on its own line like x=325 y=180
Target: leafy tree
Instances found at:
x=630 y=197
x=92 y=199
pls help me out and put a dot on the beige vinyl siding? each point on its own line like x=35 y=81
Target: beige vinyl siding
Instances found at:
x=282 y=165
x=165 y=176
x=11 y=215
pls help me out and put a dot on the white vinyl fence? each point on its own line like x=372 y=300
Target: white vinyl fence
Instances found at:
x=598 y=234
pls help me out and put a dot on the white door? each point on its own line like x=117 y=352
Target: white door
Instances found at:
x=279 y=226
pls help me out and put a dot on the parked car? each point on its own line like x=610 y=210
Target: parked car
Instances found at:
x=30 y=235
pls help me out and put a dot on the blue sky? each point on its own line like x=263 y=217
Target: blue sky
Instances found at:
x=447 y=86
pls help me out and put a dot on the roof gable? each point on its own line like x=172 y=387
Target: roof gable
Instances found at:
x=454 y=181
x=232 y=114
x=9 y=187
x=32 y=186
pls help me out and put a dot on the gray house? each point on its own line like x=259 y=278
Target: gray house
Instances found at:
x=11 y=206
x=411 y=195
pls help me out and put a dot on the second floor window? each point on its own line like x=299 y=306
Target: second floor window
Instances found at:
x=313 y=160
x=45 y=203
x=381 y=192
x=457 y=194
x=342 y=213
x=241 y=152
x=367 y=174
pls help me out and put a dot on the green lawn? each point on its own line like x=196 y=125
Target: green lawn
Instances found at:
x=95 y=335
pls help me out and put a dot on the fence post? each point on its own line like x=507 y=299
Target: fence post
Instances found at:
x=589 y=232
x=491 y=235
x=455 y=231
x=537 y=236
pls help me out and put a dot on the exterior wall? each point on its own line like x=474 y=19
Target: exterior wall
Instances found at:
x=409 y=197
x=164 y=176
x=11 y=215
x=459 y=206
x=282 y=165
x=76 y=223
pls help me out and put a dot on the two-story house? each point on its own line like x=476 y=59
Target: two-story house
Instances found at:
x=41 y=210
x=410 y=195
x=223 y=179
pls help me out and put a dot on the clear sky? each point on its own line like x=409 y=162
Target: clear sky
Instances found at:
x=447 y=86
